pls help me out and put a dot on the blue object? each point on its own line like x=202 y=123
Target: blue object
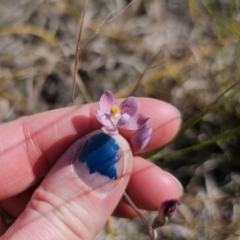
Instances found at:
x=100 y=152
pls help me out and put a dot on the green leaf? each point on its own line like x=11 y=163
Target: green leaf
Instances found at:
x=217 y=103
x=209 y=109
x=213 y=140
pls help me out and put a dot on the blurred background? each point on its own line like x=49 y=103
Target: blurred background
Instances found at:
x=185 y=52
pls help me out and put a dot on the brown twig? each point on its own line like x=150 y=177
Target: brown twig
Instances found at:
x=77 y=52
x=145 y=223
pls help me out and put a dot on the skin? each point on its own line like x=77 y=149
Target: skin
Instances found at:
x=45 y=196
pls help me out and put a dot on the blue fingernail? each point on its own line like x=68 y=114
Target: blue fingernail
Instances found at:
x=99 y=161
x=100 y=153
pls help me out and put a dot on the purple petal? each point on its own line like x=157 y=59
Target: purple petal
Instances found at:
x=165 y=211
x=104 y=119
x=129 y=106
x=107 y=100
x=140 y=138
x=111 y=131
x=137 y=121
x=123 y=120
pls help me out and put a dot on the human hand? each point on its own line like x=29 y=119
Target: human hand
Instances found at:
x=50 y=192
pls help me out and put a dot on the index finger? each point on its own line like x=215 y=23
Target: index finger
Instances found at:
x=31 y=145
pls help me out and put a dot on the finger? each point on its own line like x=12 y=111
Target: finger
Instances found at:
x=38 y=141
x=148 y=187
x=15 y=205
x=124 y=210
x=80 y=192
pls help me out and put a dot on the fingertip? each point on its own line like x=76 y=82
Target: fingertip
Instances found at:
x=149 y=185
x=165 y=120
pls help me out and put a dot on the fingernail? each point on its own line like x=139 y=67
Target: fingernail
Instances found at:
x=100 y=161
x=179 y=185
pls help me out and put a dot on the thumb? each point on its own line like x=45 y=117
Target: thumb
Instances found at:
x=79 y=193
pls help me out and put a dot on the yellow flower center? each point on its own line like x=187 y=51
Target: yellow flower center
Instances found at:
x=115 y=114
x=114 y=110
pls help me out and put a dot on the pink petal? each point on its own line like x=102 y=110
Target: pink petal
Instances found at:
x=137 y=121
x=111 y=131
x=123 y=120
x=107 y=100
x=129 y=106
x=103 y=119
x=140 y=138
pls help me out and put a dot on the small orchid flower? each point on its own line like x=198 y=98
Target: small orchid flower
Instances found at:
x=112 y=117
x=165 y=211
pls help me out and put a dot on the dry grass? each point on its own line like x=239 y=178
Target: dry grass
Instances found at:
x=183 y=52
